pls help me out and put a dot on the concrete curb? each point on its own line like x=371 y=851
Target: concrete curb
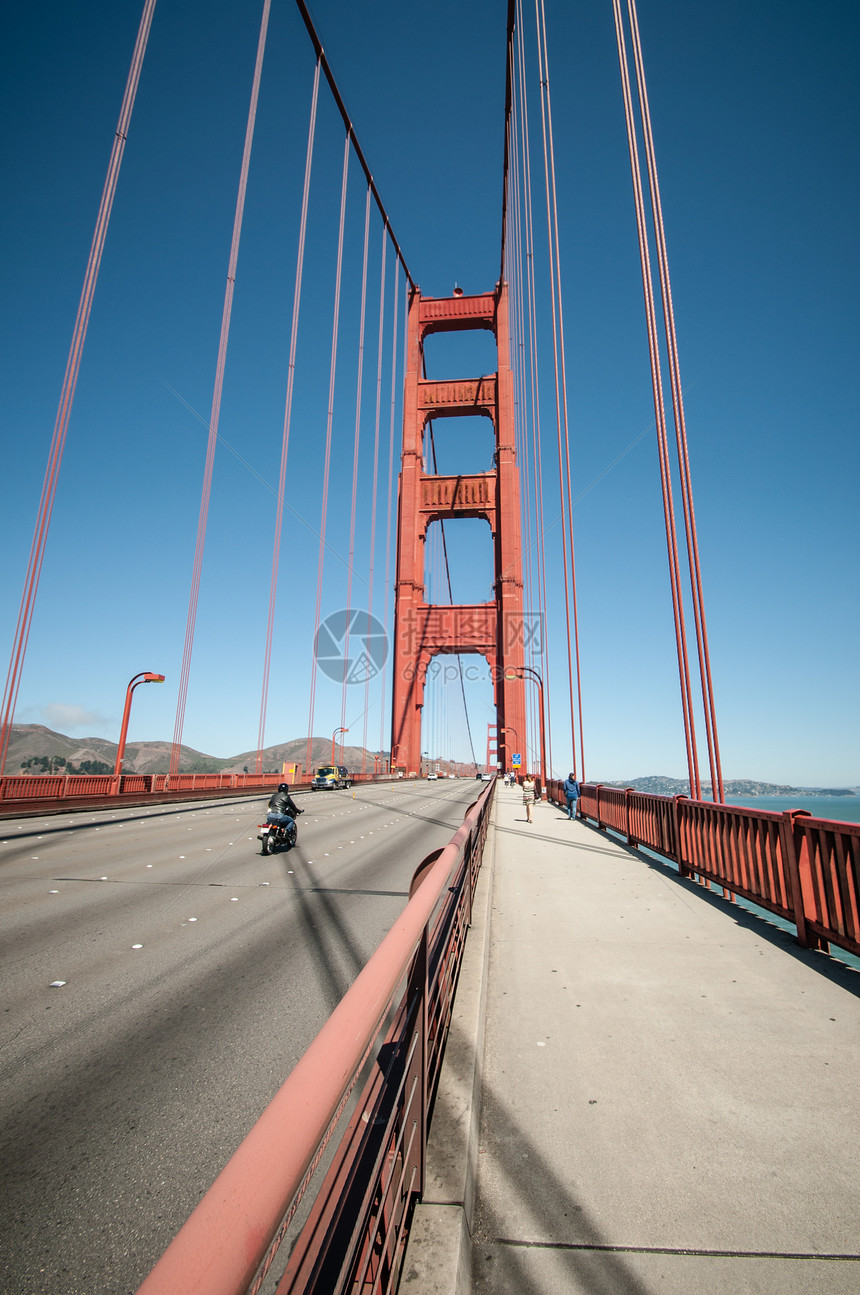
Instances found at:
x=438 y=1258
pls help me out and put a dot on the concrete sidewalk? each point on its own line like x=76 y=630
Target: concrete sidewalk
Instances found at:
x=667 y=1088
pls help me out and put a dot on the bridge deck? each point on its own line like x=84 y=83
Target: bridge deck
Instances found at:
x=668 y=1088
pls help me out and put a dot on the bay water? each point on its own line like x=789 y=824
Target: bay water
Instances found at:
x=844 y=809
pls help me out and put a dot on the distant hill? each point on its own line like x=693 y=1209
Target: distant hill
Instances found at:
x=659 y=785
x=29 y=741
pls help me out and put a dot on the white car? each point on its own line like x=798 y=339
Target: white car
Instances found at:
x=432 y=777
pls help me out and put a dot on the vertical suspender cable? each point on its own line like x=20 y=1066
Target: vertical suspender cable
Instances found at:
x=288 y=407
x=329 y=421
x=680 y=422
x=387 y=589
x=660 y=417
x=537 y=456
x=355 y=457
x=216 y=398
x=374 y=485
x=515 y=300
x=67 y=394
x=557 y=346
x=444 y=545
x=557 y=254
x=528 y=481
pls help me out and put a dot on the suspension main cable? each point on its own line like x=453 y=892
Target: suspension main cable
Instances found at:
x=67 y=392
x=175 y=751
x=350 y=132
x=288 y=407
x=513 y=6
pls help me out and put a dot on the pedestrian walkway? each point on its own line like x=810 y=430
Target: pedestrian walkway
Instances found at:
x=668 y=1088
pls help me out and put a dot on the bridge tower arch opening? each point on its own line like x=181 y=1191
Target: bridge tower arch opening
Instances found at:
x=493 y=629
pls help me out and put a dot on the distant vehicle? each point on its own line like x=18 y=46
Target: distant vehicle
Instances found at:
x=331 y=777
x=488 y=777
x=432 y=777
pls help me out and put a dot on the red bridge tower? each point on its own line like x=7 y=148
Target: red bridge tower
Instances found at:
x=423 y=630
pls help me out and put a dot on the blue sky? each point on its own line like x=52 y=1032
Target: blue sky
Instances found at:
x=755 y=110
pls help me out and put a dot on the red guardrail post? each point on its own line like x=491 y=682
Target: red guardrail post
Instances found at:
x=418 y=984
x=628 y=792
x=676 y=815
x=806 y=938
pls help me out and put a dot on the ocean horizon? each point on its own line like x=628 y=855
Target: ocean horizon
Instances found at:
x=844 y=809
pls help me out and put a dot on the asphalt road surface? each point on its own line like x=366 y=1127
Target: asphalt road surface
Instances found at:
x=160 y=980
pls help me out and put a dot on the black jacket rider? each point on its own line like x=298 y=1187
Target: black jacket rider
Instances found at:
x=281 y=802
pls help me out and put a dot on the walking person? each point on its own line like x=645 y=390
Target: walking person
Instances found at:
x=571 y=794
x=528 y=795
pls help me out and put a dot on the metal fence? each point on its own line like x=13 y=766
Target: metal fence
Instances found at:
x=387 y=1034
x=29 y=792
x=804 y=869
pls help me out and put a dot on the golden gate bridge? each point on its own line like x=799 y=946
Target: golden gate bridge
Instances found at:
x=806 y=872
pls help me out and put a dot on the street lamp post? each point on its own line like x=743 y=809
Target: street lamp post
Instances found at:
x=333 y=736
x=520 y=673
x=145 y=677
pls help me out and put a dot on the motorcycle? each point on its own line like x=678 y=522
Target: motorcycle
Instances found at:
x=274 y=835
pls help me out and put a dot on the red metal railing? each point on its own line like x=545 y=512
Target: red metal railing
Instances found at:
x=40 y=791
x=806 y=870
x=355 y=1235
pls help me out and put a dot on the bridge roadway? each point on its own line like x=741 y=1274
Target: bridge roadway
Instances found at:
x=668 y=1087
x=124 y=1091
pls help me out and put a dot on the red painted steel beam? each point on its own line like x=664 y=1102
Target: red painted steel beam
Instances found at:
x=469 y=495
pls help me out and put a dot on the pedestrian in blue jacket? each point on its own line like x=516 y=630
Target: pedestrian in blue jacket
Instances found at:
x=571 y=794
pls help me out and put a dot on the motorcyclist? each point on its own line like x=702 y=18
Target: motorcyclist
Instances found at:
x=282 y=807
